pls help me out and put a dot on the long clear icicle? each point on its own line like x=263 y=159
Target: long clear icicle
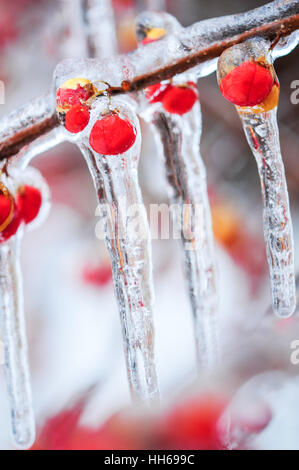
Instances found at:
x=99 y=26
x=13 y=331
x=116 y=183
x=178 y=140
x=261 y=129
x=263 y=137
x=12 y=321
x=179 y=144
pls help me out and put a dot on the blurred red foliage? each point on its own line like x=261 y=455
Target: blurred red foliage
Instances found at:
x=191 y=425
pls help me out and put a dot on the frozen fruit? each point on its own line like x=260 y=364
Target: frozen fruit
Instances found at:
x=112 y=135
x=9 y=217
x=77 y=118
x=249 y=84
x=74 y=92
x=29 y=201
x=179 y=100
x=156 y=93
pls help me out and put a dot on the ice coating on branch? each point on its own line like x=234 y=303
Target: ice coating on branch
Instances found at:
x=176 y=46
x=286 y=45
x=33 y=119
x=168 y=51
x=27 y=116
x=261 y=130
x=178 y=140
x=127 y=237
x=12 y=324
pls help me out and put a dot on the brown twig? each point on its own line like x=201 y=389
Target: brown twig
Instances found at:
x=277 y=28
x=14 y=144
x=271 y=31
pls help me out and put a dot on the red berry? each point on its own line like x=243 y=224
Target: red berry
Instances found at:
x=77 y=118
x=179 y=100
x=9 y=218
x=248 y=84
x=194 y=424
x=156 y=93
x=68 y=96
x=99 y=276
x=29 y=201
x=112 y=135
x=5 y=208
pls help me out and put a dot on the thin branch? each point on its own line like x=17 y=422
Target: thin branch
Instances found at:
x=272 y=31
x=26 y=124
x=202 y=42
x=14 y=144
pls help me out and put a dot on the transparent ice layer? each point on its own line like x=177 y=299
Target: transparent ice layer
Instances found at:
x=167 y=51
x=12 y=322
x=12 y=325
x=263 y=137
x=177 y=46
x=261 y=129
x=128 y=240
x=27 y=116
x=178 y=141
x=117 y=182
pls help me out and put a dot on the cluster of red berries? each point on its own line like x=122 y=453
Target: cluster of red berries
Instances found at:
x=250 y=84
x=24 y=207
x=110 y=135
x=175 y=99
x=73 y=103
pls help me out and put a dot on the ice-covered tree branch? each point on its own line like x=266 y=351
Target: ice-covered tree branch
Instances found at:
x=197 y=44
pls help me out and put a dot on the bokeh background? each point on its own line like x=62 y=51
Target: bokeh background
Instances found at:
x=81 y=396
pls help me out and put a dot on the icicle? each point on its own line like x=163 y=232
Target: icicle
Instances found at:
x=258 y=114
x=12 y=321
x=100 y=29
x=128 y=241
x=72 y=20
x=12 y=324
x=178 y=139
